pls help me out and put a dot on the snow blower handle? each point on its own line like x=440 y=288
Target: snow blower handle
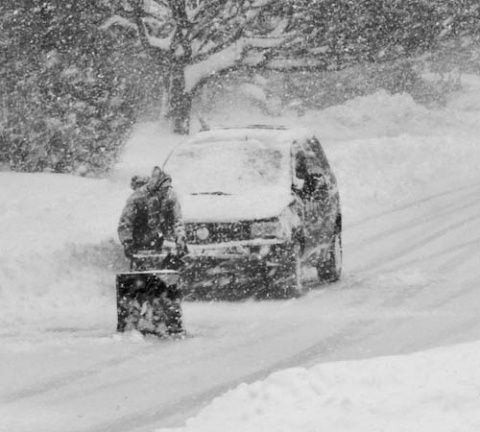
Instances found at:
x=147 y=259
x=153 y=260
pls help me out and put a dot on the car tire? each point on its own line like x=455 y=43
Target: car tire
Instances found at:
x=331 y=269
x=286 y=279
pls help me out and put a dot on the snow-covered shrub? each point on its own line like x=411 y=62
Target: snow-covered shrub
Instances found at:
x=70 y=92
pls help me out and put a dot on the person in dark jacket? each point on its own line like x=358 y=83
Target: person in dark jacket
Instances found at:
x=151 y=214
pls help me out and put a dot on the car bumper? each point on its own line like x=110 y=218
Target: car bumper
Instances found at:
x=238 y=267
x=251 y=250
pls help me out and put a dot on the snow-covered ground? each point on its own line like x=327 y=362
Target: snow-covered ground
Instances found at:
x=436 y=390
x=409 y=185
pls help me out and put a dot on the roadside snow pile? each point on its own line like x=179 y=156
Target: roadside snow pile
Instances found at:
x=387 y=150
x=57 y=247
x=43 y=211
x=437 y=390
x=468 y=98
x=378 y=174
x=384 y=115
x=148 y=145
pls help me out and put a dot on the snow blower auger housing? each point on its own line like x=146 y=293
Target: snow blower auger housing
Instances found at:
x=149 y=296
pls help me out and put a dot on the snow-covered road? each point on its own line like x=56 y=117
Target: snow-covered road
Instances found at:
x=411 y=283
x=411 y=275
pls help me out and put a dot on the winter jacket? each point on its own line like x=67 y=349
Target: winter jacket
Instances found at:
x=152 y=211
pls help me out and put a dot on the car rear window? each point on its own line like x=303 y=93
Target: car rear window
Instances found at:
x=228 y=167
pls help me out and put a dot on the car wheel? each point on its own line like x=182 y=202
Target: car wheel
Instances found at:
x=285 y=280
x=331 y=269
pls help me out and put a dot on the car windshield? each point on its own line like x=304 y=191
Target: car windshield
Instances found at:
x=228 y=167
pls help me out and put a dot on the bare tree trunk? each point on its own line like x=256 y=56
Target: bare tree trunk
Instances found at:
x=165 y=96
x=180 y=101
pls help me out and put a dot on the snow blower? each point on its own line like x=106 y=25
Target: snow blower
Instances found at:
x=149 y=296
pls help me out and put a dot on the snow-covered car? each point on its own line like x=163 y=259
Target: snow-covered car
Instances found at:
x=258 y=204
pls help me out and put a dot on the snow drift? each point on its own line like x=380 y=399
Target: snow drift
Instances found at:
x=437 y=390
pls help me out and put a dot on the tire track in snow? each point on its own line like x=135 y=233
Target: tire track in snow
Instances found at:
x=452 y=192
x=415 y=222
x=65 y=380
x=419 y=244
x=462 y=253
x=463 y=207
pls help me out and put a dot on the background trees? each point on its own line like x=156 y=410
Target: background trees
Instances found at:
x=76 y=75
x=194 y=40
x=69 y=91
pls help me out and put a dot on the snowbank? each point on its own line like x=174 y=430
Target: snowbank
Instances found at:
x=57 y=250
x=437 y=390
x=149 y=145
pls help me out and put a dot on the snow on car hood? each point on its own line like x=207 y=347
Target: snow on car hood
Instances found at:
x=262 y=204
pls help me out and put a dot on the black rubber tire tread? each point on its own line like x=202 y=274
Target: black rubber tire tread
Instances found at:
x=329 y=271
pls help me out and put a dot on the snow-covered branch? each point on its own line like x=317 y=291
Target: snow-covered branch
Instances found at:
x=253 y=49
x=157 y=8
x=283 y=64
x=224 y=59
x=163 y=44
x=264 y=42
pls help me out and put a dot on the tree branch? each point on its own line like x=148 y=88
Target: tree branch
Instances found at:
x=138 y=14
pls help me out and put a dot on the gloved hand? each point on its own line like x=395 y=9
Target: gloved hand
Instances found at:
x=128 y=248
x=156 y=242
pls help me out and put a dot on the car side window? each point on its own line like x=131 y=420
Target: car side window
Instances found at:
x=298 y=162
x=301 y=165
x=316 y=147
x=314 y=179
x=304 y=159
x=308 y=171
